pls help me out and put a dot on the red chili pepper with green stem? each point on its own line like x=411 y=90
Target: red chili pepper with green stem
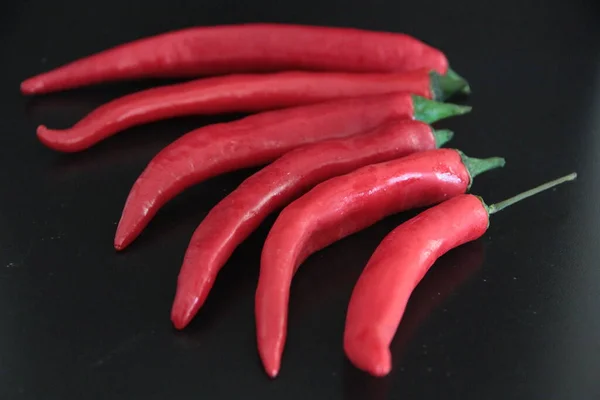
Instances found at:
x=233 y=219
x=257 y=140
x=399 y=263
x=252 y=47
x=339 y=207
x=240 y=93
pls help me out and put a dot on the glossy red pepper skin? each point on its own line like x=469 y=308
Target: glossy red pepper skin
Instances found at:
x=232 y=220
x=249 y=47
x=398 y=264
x=335 y=209
x=233 y=93
x=251 y=141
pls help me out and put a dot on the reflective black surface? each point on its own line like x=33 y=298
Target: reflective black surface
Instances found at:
x=511 y=316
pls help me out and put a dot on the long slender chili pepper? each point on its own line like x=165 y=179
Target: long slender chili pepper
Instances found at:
x=232 y=220
x=257 y=140
x=240 y=93
x=399 y=263
x=254 y=47
x=339 y=207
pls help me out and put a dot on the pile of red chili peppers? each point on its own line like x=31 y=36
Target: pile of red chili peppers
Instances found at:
x=338 y=118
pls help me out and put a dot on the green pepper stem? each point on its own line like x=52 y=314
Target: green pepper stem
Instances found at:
x=477 y=166
x=445 y=86
x=442 y=136
x=453 y=75
x=494 y=208
x=430 y=111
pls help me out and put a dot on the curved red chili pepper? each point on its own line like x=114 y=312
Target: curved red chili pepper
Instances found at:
x=257 y=140
x=339 y=207
x=239 y=93
x=232 y=220
x=254 y=47
x=400 y=262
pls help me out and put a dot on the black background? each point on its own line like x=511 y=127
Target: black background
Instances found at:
x=511 y=316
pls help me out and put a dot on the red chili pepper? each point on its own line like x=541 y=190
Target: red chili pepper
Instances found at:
x=398 y=265
x=240 y=93
x=257 y=140
x=232 y=220
x=244 y=48
x=339 y=207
